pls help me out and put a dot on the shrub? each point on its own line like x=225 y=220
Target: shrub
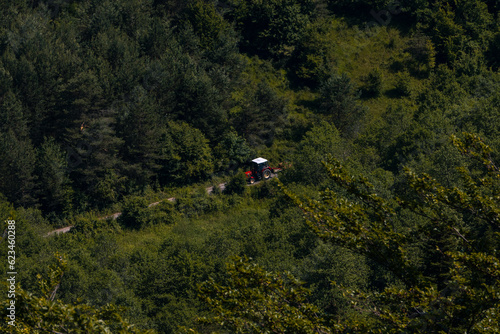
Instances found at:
x=193 y=204
x=373 y=83
x=423 y=55
x=264 y=190
x=135 y=212
x=237 y=184
x=163 y=213
x=403 y=85
x=90 y=224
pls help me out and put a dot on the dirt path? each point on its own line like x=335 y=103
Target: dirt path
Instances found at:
x=59 y=230
x=115 y=215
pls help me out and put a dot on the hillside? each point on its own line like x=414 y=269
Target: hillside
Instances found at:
x=385 y=113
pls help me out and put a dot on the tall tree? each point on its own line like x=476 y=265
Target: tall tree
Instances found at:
x=206 y=22
x=93 y=158
x=17 y=155
x=263 y=113
x=141 y=128
x=339 y=99
x=318 y=143
x=54 y=188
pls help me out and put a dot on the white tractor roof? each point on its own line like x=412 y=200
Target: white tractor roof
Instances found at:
x=259 y=160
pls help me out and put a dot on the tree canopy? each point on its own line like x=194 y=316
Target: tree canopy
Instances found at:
x=126 y=129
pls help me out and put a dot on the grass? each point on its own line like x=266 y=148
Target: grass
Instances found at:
x=194 y=229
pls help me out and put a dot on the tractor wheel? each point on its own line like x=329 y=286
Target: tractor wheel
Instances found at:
x=266 y=174
x=252 y=180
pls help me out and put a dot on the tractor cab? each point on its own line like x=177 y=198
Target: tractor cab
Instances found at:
x=259 y=164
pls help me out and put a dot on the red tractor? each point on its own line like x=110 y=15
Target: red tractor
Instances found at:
x=260 y=170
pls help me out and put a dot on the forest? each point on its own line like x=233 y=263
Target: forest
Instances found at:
x=386 y=115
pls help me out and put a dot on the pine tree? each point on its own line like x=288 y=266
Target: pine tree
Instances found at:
x=339 y=100
x=54 y=190
x=141 y=128
x=17 y=155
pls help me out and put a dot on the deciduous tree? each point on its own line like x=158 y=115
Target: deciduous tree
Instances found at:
x=253 y=300
x=458 y=225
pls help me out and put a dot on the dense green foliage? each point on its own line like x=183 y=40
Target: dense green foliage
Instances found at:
x=453 y=287
x=256 y=301
x=146 y=107
x=43 y=314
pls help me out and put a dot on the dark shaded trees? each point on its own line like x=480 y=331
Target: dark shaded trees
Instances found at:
x=141 y=128
x=263 y=112
x=55 y=192
x=271 y=28
x=93 y=158
x=17 y=155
